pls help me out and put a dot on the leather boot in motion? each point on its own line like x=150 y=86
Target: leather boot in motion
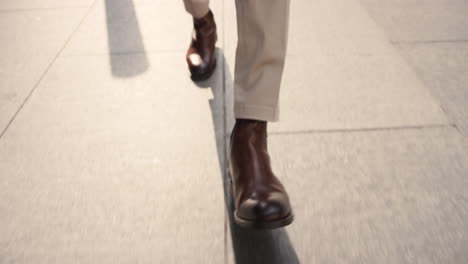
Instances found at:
x=201 y=53
x=259 y=197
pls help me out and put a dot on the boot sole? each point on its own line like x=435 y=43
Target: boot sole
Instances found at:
x=204 y=76
x=264 y=224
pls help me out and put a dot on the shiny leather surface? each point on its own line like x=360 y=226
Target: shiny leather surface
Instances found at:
x=257 y=192
x=202 y=45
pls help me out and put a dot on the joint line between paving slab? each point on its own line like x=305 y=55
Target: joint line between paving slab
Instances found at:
x=47 y=69
x=434 y=41
x=15 y=10
x=123 y=53
x=370 y=129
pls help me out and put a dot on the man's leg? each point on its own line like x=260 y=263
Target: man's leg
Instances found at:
x=201 y=53
x=260 y=199
x=261 y=50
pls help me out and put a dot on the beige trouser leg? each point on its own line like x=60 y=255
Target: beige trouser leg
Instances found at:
x=262 y=28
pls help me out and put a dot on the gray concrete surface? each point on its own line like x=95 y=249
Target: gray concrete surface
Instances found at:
x=109 y=153
x=443 y=67
x=30 y=42
x=421 y=21
x=432 y=36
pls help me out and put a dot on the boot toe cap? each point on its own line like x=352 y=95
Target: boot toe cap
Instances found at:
x=202 y=72
x=275 y=207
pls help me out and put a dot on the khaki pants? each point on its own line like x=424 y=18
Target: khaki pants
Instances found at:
x=262 y=29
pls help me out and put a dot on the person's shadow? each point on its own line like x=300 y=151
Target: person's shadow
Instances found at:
x=250 y=246
x=127 y=51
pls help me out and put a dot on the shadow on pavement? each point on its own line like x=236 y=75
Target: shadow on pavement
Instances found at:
x=250 y=246
x=124 y=37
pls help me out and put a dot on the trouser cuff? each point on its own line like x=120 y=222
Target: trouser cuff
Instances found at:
x=262 y=113
x=196 y=9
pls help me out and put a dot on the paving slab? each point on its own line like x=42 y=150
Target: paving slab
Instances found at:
x=126 y=26
x=30 y=41
x=10 y=5
x=444 y=69
x=420 y=21
x=323 y=25
x=341 y=75
x=100 y=169
x=389 y=196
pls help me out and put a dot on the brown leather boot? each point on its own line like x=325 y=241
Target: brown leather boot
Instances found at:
x=201 y=53
x=260 y=199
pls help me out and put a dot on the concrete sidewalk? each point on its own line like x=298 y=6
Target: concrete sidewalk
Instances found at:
x=109 y=153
